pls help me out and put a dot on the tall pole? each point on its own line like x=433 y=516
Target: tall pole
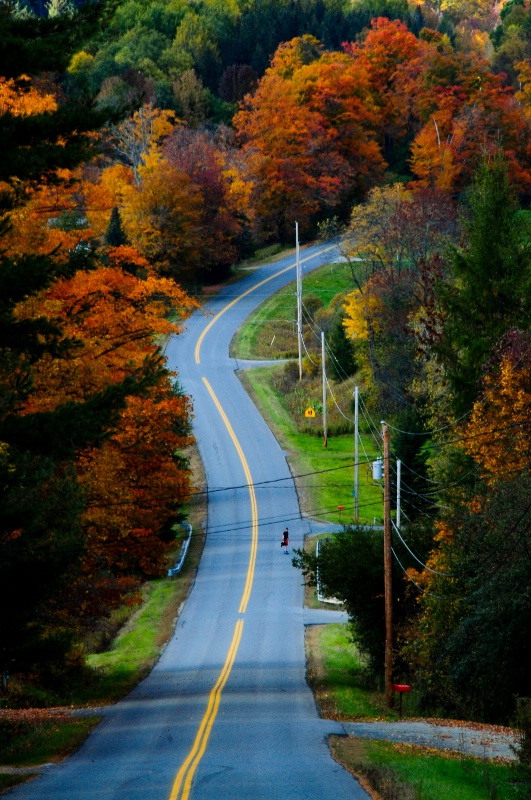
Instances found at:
x=387 y=571
x=325 y=442
x=398 y=479
x=356 y=455
x=299 y=297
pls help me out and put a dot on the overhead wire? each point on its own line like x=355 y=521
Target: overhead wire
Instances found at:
x=418 y=560
x=481 y=399
x=424 y=591
x=274 y=520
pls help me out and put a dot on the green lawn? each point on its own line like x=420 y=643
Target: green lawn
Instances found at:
x=270 y=331
x=396 y=771
x=328 y=480
x=406 y=772
x=329 y=472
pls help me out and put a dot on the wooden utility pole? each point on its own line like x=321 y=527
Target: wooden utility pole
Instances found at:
x=356 y=456
x=388 y=571
x=299 y=297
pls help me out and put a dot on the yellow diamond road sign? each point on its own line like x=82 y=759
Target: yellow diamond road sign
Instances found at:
x=310 y=412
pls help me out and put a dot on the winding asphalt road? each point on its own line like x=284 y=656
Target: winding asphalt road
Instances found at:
x=226 y=713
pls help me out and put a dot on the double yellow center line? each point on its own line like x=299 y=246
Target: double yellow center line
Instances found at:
x=182 y=784
x=186 y=773
x=252 y=495
x=183 y=781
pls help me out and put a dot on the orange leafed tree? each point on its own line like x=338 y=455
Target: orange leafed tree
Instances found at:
x=386 y=54
x=497 y=436
x=309 y=135
x=134 y=482
x=162 y=218
x=22 y=98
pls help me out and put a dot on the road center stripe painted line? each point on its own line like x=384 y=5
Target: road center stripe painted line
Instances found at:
x=244 y=294
x=252 y=496
x=189 y=766
x=186 y=773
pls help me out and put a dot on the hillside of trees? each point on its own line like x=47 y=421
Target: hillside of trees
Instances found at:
x=150 y=146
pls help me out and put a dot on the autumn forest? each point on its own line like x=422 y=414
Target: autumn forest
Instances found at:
x=149 y=147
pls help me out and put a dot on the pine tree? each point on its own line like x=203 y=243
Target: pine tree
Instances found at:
x=115 y=234
x=489 y=288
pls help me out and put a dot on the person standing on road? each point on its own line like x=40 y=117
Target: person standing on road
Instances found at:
x=285 y=541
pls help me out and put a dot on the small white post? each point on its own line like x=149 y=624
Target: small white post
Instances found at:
x=325 y=442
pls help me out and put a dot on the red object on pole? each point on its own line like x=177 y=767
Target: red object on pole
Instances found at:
x=401 y=689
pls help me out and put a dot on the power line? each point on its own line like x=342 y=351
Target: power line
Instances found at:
x=277 y=520
x=424 y=591
x=470 y=410
x=422 y=564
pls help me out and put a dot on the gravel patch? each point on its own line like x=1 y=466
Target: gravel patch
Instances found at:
x=488 y=742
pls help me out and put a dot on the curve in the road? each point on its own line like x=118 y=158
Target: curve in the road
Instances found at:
x=185 y=774
x=244 y=294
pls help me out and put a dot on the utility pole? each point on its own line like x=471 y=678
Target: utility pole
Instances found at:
x=299 y=297
x=325 y=443
x=356 y=456
x=388 y=571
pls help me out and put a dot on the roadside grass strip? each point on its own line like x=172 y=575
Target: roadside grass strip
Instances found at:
x=137 y=646
x=328 y=472
x=29 y=737
x=391 y=771
x=337 y=675
x=407 y=772
x=270 y=331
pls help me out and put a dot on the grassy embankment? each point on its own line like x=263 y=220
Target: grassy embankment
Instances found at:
x=335 y=669
x=282 y=399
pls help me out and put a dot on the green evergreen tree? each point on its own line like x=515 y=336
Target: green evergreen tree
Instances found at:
x=344 y=361
x=115 y=234
x=488 y=292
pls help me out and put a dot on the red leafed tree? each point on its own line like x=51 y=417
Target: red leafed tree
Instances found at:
x=203 y=157
x=466 y=126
